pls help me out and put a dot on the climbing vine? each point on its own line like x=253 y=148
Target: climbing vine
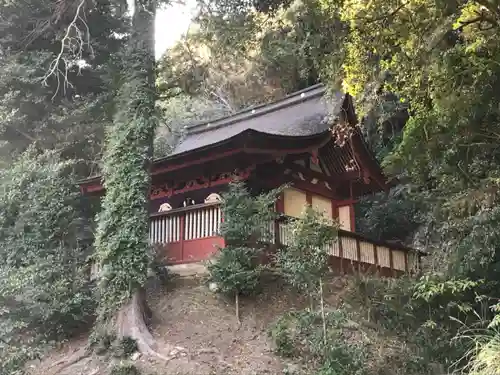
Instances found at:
x=122 y=233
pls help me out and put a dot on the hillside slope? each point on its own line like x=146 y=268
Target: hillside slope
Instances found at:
x=202 y=328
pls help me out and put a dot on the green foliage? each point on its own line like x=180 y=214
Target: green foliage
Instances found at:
x=100 y=340
x=271 y=54
x=426 y=314
x=237 y=267
x=439 y=59
x=484 y=354
x=246 y=217
x=44 y=292
x=178 y=112
x=158 y=266
x=305 y=260
x=299 y=334
x=121 y=242
x=14 y=357
x=394 y=216
x=65 y=115
x=124 y=368
x=236 y=270
x=124 y=347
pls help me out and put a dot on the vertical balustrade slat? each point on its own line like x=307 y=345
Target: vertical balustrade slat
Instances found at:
x=207 y=222
x=175 y=228
x=195 y=224
x=214 y=223
x=201 y=224
x=164 y=238
x=218 y=219
x=178 y=229
x=197 y=221
x=156 y=232
x=172 y=221
x=204 y=223
x=201 y=216
x=170 y=230
x=191 y=225
x=211 y=226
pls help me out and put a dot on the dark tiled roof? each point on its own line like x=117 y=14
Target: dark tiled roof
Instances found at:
x=303 y=113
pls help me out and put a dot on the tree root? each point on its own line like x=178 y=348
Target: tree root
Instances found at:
x=131 y=322
x=64 y=363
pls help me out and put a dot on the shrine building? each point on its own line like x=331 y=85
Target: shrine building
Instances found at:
x=288 y=141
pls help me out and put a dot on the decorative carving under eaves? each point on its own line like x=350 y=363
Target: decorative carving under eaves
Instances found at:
x=167 y=190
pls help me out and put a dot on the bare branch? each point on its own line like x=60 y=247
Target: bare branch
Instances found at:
x=73 y=43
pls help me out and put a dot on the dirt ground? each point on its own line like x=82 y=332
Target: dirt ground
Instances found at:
x=203 y=329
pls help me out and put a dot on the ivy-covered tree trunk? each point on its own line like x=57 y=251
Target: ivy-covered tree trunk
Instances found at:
x=122 y=235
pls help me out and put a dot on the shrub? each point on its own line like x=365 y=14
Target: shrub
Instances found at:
x=124 y=368
x=125 y=347
x=158 y=265
x=484 y=354
x=44 y=293
x=237 y=268
x=299 y=334
x=304 y=262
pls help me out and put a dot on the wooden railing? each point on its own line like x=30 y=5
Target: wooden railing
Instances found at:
x=188 y=223
x=355 y=250
x=191 y=234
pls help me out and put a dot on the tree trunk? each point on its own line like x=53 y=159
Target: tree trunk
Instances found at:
x=123 y=226
x=237 y=306
x=131 y=322
x=322 y=310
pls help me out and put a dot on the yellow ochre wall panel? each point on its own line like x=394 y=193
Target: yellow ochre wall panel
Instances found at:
x=345 y=218
x=295 y=201
x=323 y=205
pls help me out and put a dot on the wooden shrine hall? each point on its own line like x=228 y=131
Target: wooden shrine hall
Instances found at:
x=288 y=141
